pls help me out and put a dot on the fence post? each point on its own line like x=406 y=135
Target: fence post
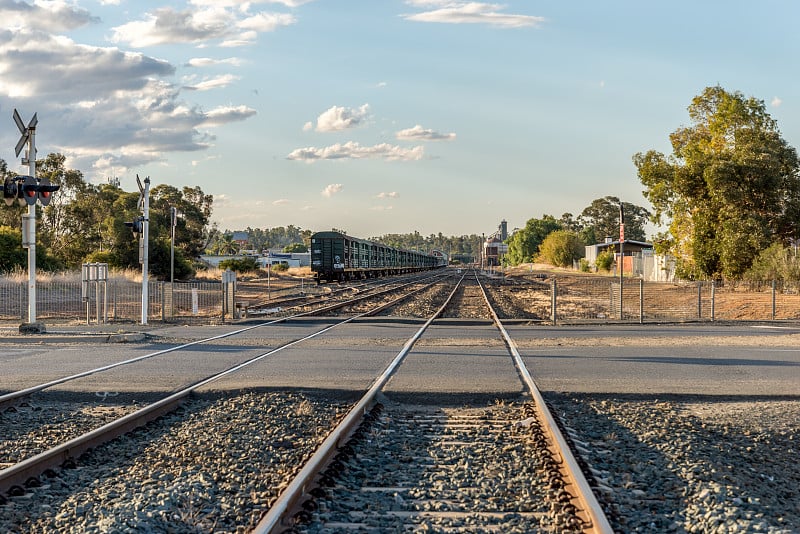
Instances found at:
x=641 y=301
x=22 y=305
x=713 y=300
x=699 y=300
x=553 y=301
x=773 y=299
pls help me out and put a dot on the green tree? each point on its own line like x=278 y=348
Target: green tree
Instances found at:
x=729 y=189
x=523 y=246
x=561 y=248
x=12 y=255
x=601 y=219
x=295 y=247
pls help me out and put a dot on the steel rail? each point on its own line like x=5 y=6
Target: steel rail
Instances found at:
x=19 y=473
x=9 y=398
x=586 y=498
x=296 y=489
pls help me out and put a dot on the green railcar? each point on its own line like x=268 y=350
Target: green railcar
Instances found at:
x=339 y=257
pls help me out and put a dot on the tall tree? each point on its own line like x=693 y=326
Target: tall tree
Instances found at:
x=729 y=189
x=601 y=219
x=523 y=246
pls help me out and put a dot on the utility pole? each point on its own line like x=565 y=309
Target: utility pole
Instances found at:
x=621 y=255
x=173 y=214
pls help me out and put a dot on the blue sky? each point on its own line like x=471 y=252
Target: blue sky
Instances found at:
x=382 y=116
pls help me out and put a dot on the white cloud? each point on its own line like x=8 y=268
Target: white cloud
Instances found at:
x=331 y=190
x=461 y=12
x=353 y=150
x=226 y=114
x=212 y=83
x=104 y=108
x=338 y=118
x=53 y=16
x=210 y=62
x=280 y=202
x=213 y=21
x=776 y=102
x=418 y=133
x=393 y=194
x=381 y=208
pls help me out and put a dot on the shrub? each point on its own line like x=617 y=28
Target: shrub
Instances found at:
x=280 y=267
x=240 y=265
x=561 y=248
x=604 y=261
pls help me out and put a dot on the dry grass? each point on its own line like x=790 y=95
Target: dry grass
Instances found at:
x=21 y=275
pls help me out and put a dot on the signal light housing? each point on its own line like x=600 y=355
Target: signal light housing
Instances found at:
x=45 y=191
x=29 y=191
x=135 y=225
x=9 y=191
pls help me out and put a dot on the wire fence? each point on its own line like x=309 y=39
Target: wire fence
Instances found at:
x=562 y=299
x=583 y=299
x=118 y=301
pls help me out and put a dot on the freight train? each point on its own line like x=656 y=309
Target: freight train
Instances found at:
x=338 y=257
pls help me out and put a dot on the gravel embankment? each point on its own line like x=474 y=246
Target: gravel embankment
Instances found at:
x=213 y=466
x=691 y=464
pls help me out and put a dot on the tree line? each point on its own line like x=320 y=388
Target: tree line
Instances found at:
x=728 y=196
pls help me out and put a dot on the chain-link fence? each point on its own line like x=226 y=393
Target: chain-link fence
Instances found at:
x=118 y=301
x=584 y=299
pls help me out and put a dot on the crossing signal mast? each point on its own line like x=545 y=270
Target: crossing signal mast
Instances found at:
x=28 y=190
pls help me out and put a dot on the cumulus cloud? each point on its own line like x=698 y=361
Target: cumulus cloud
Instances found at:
x=353 y=150
x=214 y=21
x=331 y=190
x=212 y=83
x=338 y=118
x=393 y=194
x=226 y=114
x=418 y=133
x=280 y=202
x=53 y=15
x=210 y=62
x=776 y=102
x=104 y=108
x=461 y=12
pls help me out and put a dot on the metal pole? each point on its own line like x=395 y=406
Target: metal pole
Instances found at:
x=641 y=301
x=621 y=270
x=173 y=212
x=713 y=299
x=145 y=246
x=773 y=300
x=31 y=220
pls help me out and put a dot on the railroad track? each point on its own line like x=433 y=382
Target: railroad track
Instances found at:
x=47 y=434
x=277 y=454
x=423 y=465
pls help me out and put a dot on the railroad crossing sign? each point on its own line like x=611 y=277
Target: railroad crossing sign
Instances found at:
x=26 y=132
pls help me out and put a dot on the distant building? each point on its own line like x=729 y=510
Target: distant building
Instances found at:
x=639 y=259
x=292 y=259
x=494 y=247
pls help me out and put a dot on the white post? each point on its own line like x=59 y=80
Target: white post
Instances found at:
x=32 y=231
x=145 y=246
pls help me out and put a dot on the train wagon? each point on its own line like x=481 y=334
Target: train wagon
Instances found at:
x=339 y=257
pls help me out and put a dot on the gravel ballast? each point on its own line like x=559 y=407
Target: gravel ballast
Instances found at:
x=690 y=464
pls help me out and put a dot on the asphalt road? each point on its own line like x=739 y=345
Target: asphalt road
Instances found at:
x=453 y=358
